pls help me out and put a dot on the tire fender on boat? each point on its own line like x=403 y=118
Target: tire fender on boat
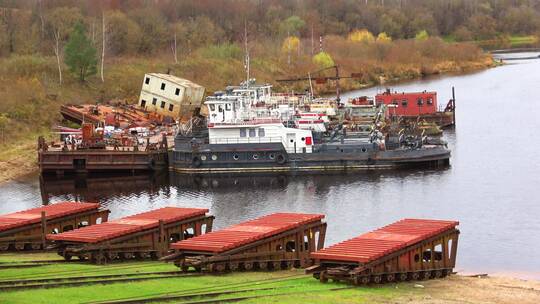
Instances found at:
x=281 y=158
x=196 y=161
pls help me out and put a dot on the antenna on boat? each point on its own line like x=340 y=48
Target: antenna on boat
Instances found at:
x=246 y=63
x=310 y=85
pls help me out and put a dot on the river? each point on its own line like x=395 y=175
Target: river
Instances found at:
x=491 y=186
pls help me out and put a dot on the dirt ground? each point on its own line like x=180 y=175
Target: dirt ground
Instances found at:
x=10 y=170
x=474 y=290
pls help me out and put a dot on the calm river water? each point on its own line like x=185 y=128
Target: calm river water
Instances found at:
x=492 y=186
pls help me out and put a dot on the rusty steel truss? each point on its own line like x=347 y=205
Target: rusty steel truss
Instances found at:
x=33 y=236
x=281 y=251
x=147 y=244
x=434 y=257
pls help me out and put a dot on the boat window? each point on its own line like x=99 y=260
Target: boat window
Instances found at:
x=203 y=157
x=228 y=106
x=272 y=156
x=177 y=92
x=236 y=157
x=420 y=101
x=171 y=107
x=404 y=103
x=154 y=101
x=430 y=101
x=163 y=86
x=147 y=80
x=255 y=156
x=214 y=157
x=220 y=108
x=395 y=102
x=212 y=107
x=143 y=103
x=252 y=133
x=242 y=132
x=163 y=104
x=364 y=150
x=261 y=132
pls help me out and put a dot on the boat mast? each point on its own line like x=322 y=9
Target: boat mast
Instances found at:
x=246 y=64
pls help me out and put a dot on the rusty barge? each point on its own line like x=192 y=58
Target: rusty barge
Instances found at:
x=93 y=152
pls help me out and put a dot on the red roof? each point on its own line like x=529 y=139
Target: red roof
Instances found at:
x=127 y=225
x=373 y=245
x=32 y=216
x=246 y=232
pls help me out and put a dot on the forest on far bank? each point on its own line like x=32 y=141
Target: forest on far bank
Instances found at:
x=41 y=43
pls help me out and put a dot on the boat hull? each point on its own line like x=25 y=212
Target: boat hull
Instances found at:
x=272 y=159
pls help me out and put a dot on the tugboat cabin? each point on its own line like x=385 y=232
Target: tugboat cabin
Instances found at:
x=227 y=125
x=408 y=104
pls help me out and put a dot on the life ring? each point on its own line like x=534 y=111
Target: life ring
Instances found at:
x=281 y=158
x=196 y=161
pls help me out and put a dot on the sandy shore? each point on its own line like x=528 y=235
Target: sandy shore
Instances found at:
x=472 y=290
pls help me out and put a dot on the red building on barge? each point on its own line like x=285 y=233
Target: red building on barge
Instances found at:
x=418 y=105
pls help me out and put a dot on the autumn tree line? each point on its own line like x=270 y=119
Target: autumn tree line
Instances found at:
x=149 y=26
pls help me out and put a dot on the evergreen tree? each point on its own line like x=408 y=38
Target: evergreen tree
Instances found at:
x=80 y=55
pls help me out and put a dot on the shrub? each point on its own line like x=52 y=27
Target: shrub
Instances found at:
x=362 y=35
x=422 y=35
x=323 y=60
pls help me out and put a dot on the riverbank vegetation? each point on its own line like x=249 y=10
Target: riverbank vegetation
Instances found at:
x=204 y=41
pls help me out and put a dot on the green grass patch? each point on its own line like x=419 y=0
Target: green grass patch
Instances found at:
x=523 y=40
x=269 y=287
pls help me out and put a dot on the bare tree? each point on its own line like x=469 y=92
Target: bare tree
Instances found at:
x=102 y=44
x=174 y=47
x=61 y=20
x=179 y=30
x=57 y=50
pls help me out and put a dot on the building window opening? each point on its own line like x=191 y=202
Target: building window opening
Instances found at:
x=163 y=104
x=290 y=246
x=252 y=133
x=154 y=101
x=143 y=103
x=163 y=86
x=177 y=92
x=147 y=80
x=171 y=107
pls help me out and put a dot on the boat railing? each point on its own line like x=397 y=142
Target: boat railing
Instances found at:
x=245 y=140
